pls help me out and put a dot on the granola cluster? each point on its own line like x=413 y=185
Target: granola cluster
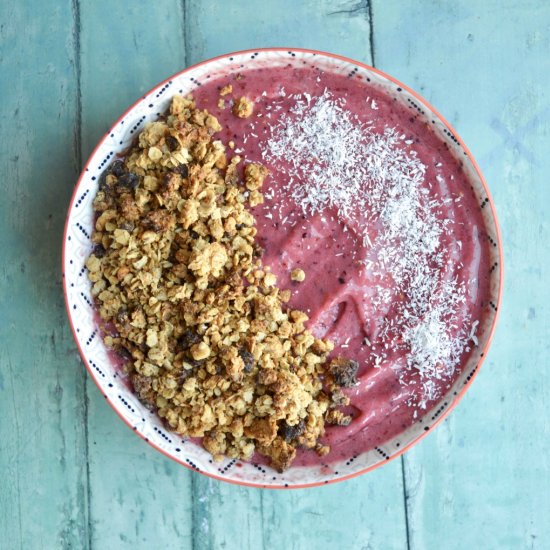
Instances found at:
x=178 y=279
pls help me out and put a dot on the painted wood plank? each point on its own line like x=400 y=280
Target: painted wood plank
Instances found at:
x=483 y=478
x=345 y=515
x=359 y=514
x=139 y=499
x=471 y=484
x=225 y=516
x=43 y=492
x=216 y=28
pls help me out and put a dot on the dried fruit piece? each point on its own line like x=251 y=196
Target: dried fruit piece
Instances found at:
x=172 y=143
x=248 y=359
x=117 y=168
x=188 y=339
x=344 y=371
x=289 y=432
x=99 y=251
x=128 y=180
x=182 y=170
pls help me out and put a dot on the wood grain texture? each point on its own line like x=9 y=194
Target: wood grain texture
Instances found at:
x=43 y=490
x=73 y=475
x=484 y=475
x=215 y=28
x=337 y=516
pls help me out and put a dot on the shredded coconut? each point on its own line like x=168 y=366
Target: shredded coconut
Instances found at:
x=337 y=163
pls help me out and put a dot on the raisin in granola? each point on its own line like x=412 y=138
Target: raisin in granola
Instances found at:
x=344 y=371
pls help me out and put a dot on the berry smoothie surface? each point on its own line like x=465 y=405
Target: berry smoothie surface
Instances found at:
x=371 y=204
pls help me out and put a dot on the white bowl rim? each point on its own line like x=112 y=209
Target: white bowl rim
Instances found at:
x=498 y=273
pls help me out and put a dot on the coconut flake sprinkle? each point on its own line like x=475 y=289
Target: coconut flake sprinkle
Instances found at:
x=339 y=164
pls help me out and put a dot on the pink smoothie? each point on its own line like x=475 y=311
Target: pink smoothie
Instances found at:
x=371 y=204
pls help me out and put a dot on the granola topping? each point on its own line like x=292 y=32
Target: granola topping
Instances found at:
x=177 y=277
x=298 y=275
x=243 y=107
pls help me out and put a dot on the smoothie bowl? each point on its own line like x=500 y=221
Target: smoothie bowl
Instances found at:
x=282 y=268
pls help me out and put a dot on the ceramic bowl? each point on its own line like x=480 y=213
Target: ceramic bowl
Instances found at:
x=83 y=319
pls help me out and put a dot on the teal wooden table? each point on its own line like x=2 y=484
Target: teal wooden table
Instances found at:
x=72 y=475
